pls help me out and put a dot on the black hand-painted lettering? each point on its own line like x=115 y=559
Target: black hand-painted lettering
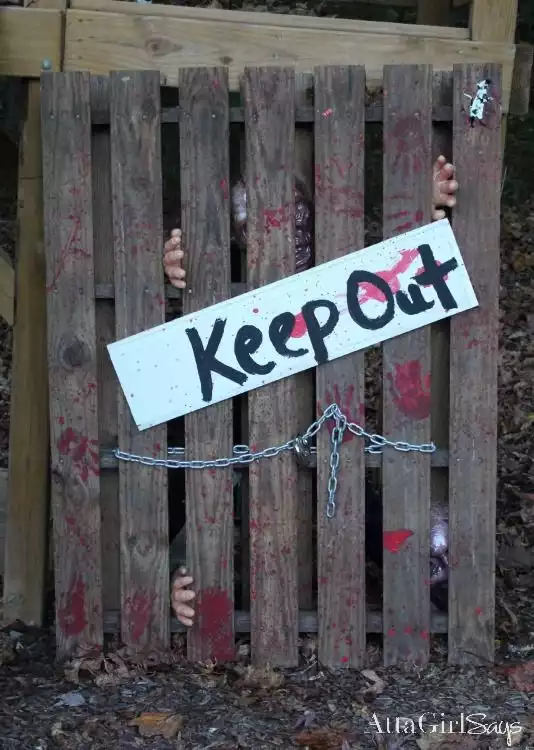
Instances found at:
x=247 y=341
x=206 y=361
x=434 y=275
x=353 y=303
x=317 y=332
x=412 y=302
x=280 y=330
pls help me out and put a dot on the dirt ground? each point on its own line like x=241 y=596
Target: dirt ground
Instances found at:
x=121 y=703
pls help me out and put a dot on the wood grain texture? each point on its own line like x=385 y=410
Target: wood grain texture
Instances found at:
x=7 y=289
x=72 y=363
x=339 y=187
x=30 y=36
x=473 y=395
x=138 y=232
x=205 y=191
x=269 y=95
x=406 y=373
x=493 y=20
x=105 y=334
x=136 y=37
x=29 y=451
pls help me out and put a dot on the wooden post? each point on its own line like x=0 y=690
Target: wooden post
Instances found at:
x=27 y=509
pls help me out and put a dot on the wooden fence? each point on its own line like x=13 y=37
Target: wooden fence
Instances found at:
x=104 y=234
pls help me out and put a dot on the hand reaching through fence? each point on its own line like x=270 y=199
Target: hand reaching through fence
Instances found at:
x=182 y=597
x=444 y=188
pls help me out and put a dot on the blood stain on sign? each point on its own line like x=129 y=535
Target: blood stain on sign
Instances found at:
x=71 y=616
x=410 y=389
x=393 y=540
x=138 y=609
x=299 y=327
x=215 y=611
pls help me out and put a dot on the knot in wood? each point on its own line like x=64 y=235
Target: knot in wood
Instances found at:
x=73 y=351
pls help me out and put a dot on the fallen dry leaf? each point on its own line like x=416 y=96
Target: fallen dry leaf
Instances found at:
x=520 y=676
x=261 y=677
x=378 y=685
x=322 y=739
x=153 y=724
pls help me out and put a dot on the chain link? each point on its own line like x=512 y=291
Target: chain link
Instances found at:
x=301 y=445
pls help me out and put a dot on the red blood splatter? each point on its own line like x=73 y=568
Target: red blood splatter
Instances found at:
x=408 y=630
x=478 y=611
x=72 y=617
x=474 y=343
x=393 y=540
x=410 y=390
x=215 y=615
x=400 y=228
x=424 y=635
x=391 y=276
x=344 y=659
x=61 y=420
x=224 y=187
x=275 y=218
x=328 y=112
x=71 y=249
x=419 y=215
x=255 y=310
x=299 y=328
x=392 y=632
x=409 y=142
x=397 y=215
x=76 y=446
x=138 y=613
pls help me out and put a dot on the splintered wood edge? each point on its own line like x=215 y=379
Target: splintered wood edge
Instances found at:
x=307 y=622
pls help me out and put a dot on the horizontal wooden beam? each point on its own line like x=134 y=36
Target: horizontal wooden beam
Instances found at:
x=7 y=289
x=165 y=38
x=28 y=36
x=307 y=622
x=229 y=19
x=438 y=460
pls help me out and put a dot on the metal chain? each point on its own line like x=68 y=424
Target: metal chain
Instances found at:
x=300 y=444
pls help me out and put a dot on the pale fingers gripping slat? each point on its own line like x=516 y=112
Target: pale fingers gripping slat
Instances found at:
x=72 y=360
x=339 y=216
x=474 y=357
x=204 y=182
x=138 y=232
x=269 y=95
x=406 y=367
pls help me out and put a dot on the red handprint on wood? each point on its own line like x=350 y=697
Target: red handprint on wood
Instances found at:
x=410 y=390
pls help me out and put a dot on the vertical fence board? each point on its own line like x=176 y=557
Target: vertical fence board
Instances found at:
x=139 y=294
x=105 y=334
x=406 y=404
x=269 y=95
x=204 y=181
x=339 y=186
x=72 y=364
x=473 y=394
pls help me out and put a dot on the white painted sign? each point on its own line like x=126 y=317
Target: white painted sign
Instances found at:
x=292 y=325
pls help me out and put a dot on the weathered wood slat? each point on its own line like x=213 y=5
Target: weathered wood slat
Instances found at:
x=473 y=396
x=105 y=333
x=138 y=231
x=68 y=212
x=308 y=622
x=269 y=95
x=406 y=368
x=339 y=216
x=204 y=184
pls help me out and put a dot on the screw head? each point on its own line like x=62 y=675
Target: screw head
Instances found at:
x=46 y=64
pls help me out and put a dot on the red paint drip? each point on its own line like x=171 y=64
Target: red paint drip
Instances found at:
x=215 y=614
x=393 y=540
x=72 y=617
x=410 y=390
x=138 y=614
x=299 y=328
